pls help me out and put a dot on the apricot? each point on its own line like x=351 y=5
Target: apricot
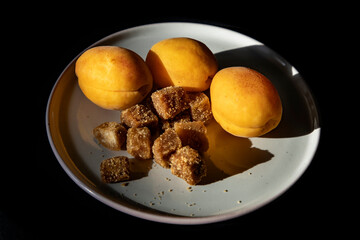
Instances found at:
x=112 y=77
x=183 y=62
x=244 y=102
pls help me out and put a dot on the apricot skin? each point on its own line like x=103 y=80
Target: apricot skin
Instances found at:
x=112 y=77
x=244 y=102
x=183 y=62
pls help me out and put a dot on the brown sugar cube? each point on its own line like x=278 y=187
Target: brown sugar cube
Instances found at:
x=187 y=164
x=139 y=116
x=181 y=117
x=138 y=142
x=165 y=145
x=115 y=169
x=169 y=101
x=192 y=134
x=200 y=107
x=111 y=135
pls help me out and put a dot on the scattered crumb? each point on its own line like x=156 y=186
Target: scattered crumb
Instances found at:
x=239 y=202
x=225 y=190
x=190 y=204
x=170 y=190
x=125 y=184
x=189 y=189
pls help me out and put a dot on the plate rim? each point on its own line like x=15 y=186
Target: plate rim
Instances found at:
x=156 y=215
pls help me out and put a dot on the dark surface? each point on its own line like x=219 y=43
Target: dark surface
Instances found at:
x=45 y=203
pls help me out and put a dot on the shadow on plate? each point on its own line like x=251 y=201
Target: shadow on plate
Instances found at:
x=229 y=155
x=139 y=168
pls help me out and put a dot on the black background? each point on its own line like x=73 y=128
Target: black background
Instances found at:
x=42 y=202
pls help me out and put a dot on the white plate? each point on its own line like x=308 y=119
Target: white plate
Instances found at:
x=257 y=170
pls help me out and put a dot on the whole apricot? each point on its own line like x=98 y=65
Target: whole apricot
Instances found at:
x=244 y=102
x=112 y=77
x=183 y=62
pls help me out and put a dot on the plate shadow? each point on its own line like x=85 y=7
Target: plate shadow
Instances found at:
x=229 y=155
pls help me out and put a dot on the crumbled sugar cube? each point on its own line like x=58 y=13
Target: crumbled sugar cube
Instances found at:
x=111 y=135
x=200 y=107
x=115 y=169
x=165 y=145
x=139 y=116
x=138 y=142
x=187 y=164
x=169 y=101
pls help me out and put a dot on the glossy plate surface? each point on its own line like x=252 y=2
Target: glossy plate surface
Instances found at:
x=244 y=174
